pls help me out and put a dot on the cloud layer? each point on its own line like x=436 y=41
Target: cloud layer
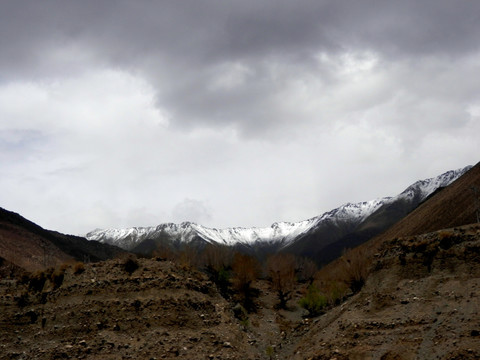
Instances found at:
x=120 y=113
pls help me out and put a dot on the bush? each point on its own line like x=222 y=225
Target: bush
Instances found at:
x=306 y=269
x=246 y=270
x=57 y=278
x=354 y=268
x=334 y=291
x=130 y=265
x=37 y=281
x=313 y=301
x=78 y=268
x=222 y=280
x=281 y=271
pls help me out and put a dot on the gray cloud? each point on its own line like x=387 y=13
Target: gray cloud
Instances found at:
x=258 y=108
x=191 y=210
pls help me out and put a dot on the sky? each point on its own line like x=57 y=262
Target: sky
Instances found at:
x=229 y=113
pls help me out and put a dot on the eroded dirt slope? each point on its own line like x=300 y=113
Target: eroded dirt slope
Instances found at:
x=421 y=302
x=160 y=311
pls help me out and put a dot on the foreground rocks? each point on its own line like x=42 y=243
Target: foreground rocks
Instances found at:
x=160 y=311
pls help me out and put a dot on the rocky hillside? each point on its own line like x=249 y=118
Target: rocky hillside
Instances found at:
x=157 y=311
x=421 y=302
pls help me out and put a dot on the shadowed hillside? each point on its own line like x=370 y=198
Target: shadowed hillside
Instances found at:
x=29 y=246
x=452 y=206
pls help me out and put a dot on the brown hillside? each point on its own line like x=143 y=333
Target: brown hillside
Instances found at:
x=101 y=311
x=449 y=207
x=452 y=206
x=31 y=247
x=27 y=249
x=420 y=302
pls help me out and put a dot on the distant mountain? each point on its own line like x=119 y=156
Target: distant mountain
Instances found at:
x=330 y=238
x=322 y=238
x=455 y=205
x=29 y=246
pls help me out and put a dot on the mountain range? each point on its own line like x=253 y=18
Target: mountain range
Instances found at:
x=421 y=279
x=322 y=238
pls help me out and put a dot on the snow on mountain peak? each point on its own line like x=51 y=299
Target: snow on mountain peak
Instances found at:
x=424 y=188
x=283 y=232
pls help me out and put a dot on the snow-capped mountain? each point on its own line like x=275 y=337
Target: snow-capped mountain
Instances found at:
x=347 y=218
x=186 y=232
x=424 y=188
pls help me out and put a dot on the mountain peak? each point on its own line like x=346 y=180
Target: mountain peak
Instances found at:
x=284 y=233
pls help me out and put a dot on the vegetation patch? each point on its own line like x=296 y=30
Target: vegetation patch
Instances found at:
x=314 y=302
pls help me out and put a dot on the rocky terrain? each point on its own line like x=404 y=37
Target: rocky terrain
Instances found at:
x=422 y=301
x=160 y=311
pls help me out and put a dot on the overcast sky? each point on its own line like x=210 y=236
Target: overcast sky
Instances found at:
x=229 y=113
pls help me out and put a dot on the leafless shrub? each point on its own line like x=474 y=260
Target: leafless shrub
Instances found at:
x=246 y=270
x=78 y=268
x=37 y=281
x=130 y=265
x=281 y=272
x=306 y=269
x=216 y=257
x=217 y=260
x=57 y=277
x=354 y=268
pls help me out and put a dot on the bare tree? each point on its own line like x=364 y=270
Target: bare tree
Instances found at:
x=281 y=271
x=306 y=269
x=217 y=257
x=246 y=270
x=216 y=260
x=165 y=251
x=354 y=268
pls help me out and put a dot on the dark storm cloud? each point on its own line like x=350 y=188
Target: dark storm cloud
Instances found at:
x=177 y=43
x=278 y=104
x=229 y=63
x=213 y=30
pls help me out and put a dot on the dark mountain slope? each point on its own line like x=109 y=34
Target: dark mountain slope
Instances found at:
x=327 y=241
x=31 y=247
x=453 y=206
x=450 y=207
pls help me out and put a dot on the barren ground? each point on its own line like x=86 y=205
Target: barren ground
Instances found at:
x=421 y=302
